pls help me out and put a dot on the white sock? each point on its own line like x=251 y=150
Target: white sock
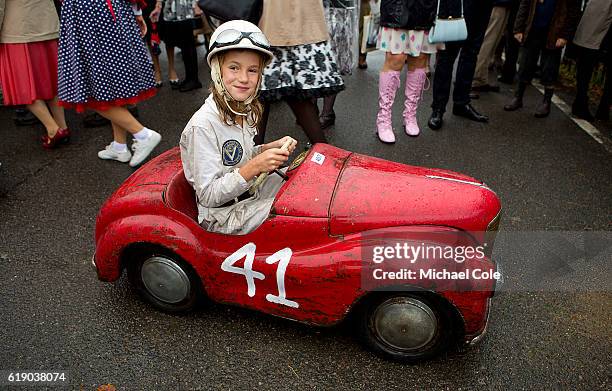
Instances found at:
x=118 y=147
x=143 y=134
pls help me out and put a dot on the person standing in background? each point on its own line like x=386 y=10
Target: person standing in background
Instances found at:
x=178 y=20
x=104 y=65
x=340 y=16
x=543 y=28
x=511 y=47
x=404 y=37
x=493 y=35
x=592 y=35
x=28 y=63
x=303 y=68
x=477 y=14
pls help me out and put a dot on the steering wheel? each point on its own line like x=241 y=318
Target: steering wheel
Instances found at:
x=262 y=177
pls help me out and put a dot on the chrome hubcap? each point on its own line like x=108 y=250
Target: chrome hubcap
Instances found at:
x=405 y=323
x=165 y=280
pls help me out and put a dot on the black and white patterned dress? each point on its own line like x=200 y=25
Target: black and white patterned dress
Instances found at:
x=102 y=61
x=301 y=72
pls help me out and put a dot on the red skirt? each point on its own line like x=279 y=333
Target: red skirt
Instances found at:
x=28 y=71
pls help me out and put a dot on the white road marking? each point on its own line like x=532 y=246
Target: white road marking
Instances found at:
x=584 y=125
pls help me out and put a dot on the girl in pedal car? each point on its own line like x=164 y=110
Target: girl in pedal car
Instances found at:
x=220 y=159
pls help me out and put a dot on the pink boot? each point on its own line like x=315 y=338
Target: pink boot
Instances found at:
x=415 y=80
x=387 y=86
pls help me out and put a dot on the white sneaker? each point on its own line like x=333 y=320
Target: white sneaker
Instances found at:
x=142 y=148
x=108 y=153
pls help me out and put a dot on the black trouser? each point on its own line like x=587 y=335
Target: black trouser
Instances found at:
x=511 y=46
x=180 y=34
x=587 y=60
x=477 y=14
x=550 y=59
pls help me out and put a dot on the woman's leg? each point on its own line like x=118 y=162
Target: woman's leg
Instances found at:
x=58 y=113
x=306 y=115
x=415 y=81
x=119 y=134
x=145 y=139
x=171 y=69
x=117 y=150
x=328 y=116
x=121 y=116
x=388 y=83
x=156 y=67
x=41 y=111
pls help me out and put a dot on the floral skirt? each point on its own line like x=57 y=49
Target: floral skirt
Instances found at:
x=301 y=72
x=411 y=42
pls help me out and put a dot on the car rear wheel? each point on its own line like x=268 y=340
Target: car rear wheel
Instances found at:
x=406 y=327
x=165 y=281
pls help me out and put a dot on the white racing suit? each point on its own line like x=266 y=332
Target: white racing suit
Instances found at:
x=212 y=152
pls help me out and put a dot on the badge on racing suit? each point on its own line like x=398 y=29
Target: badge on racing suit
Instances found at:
x=231 y=153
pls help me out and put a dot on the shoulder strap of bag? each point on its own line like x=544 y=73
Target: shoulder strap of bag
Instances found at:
x=438 y=11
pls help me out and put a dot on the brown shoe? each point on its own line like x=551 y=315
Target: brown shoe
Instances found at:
x=515 y=104
x=543 y=109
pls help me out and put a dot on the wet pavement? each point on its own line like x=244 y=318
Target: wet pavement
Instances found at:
x=549 y=174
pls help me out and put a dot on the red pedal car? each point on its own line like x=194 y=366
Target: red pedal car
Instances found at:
x=331 y=247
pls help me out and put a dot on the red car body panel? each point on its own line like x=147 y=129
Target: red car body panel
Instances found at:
x=326 y=213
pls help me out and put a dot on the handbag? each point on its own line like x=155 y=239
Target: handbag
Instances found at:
x=226 y=10
x=448 y=30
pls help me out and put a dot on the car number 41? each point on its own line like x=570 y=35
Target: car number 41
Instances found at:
x=248 y=252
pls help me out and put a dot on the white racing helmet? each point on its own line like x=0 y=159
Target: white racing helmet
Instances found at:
x=236 y=34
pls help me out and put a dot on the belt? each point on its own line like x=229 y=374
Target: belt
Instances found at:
x=236 y=200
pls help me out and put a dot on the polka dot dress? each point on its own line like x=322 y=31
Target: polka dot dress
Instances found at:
x=411 y=42
x=102 y=59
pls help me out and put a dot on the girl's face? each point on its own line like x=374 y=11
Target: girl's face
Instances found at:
x=241 y=70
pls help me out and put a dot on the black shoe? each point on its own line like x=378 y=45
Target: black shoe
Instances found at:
x=543 y=109
x=467 y=111
x=175 y=84
x=190 y=85
x=23 y=117
x=582 y=111
x=436 y=120
x=505 y=80
x=94 y=120
x=515 y=104
x=486 y=88
x=603 y=112
x=327 y=120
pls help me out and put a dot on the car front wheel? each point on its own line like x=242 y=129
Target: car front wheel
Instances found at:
x=407 y=327
x=165 y=281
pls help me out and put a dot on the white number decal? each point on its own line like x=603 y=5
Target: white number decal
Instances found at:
x=248 y=252
x=284 y=256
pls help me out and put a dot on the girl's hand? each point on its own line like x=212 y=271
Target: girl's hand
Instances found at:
x=268 y=160
x=142 y=25
x=280 y=142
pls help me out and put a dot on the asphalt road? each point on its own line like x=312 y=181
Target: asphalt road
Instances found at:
x=550 y=175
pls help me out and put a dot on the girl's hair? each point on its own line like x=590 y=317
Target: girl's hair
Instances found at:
x=255 y=109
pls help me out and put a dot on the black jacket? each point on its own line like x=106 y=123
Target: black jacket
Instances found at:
x=408 y=14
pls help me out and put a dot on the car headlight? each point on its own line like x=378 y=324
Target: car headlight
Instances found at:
x=491 y=233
